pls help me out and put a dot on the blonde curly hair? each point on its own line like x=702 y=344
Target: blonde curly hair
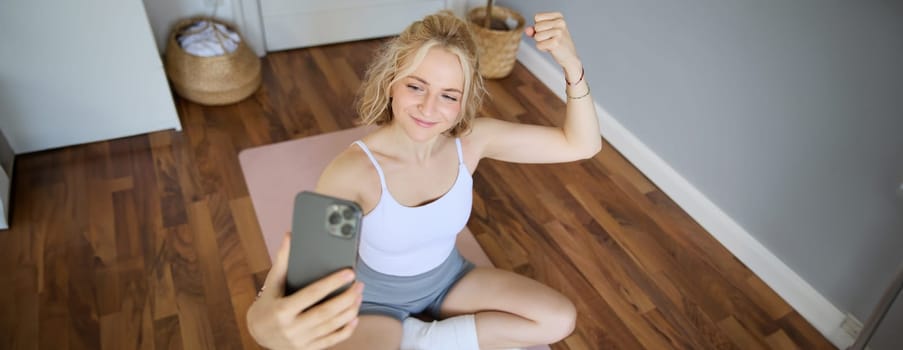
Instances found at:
x=401 y=56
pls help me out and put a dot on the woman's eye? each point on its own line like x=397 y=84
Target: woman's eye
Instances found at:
x=414 y=87
x=450 y=98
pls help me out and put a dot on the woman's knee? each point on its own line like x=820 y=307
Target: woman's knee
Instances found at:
x=373 y=332
x=559 y=320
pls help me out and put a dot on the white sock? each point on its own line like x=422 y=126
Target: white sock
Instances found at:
x=456 y=333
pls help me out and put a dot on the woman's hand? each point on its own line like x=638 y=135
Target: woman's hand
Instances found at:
x=289 y=322
x=552 y=36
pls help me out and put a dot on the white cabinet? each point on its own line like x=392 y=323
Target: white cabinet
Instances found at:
x=79 y=71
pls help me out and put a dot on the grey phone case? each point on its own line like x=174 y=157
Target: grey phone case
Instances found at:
x=325 y=234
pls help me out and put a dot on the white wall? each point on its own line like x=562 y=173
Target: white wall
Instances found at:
x=76 y=72
x=244 y=14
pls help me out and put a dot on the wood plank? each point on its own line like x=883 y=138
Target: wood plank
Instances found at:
x=326 y=66
x=249 y=233
x=145 y=197
x=123 y=183
x=128 y=240
x=740 y=335
x=218 y=306
x=315 y=97
x=171 y=202
x=628 y=306
x=83 y=165
x=168 y=334
x=194 y=323
x=801 y=332
x=620 y=167
x=242 y=302
x=111 y=337
x=53 y=288
x=136 y=332
x=347 y=74
x=780 y=340
x=766 y=298
x=503 y=101
x=25 y=329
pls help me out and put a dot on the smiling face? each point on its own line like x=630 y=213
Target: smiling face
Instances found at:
x=427 y=102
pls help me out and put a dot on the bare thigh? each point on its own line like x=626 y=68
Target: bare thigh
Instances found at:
x=487 y=288
x=511 y=310
x=374 y=332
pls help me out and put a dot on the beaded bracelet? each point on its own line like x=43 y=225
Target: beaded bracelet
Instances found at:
x=578 y=79
x=578 y=97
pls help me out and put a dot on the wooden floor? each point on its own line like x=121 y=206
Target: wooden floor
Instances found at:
x=150 y=242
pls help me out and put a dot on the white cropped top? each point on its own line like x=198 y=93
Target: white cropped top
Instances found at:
x=406 y=241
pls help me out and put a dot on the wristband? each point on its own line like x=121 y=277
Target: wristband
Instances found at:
x=578 y=79
x=578 y=97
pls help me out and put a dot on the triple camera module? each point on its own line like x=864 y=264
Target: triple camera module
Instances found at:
x=341 y=221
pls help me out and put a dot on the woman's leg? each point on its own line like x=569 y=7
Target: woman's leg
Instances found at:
x=510 y=310
x=374 y=332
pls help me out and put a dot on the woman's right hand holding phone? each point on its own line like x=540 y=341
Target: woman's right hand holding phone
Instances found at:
x=280 y=322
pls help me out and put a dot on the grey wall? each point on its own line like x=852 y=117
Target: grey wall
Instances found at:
x=788 y=115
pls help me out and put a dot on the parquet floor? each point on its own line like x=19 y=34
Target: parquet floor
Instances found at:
x=150 y=242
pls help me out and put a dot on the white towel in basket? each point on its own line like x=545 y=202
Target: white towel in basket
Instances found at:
x=206 y=39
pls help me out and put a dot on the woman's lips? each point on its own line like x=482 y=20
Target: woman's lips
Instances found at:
x=422 y=123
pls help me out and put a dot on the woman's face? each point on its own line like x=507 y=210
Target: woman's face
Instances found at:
x=427 y=102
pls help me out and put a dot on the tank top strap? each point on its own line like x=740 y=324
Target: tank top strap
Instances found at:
x=379 y=171
x=460 y=152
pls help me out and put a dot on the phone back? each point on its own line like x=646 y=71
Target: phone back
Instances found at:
x=325 y=233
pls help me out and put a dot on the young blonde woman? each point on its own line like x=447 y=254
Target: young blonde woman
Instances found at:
x=412 y=177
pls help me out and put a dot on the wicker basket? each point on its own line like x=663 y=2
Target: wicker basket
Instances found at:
x=497 y=48
x=217 y=80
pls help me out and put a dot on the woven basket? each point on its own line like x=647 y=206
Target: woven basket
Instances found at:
x=497 y=48
x=217 y=80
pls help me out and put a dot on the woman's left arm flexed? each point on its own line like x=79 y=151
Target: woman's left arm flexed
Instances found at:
x=578 y=138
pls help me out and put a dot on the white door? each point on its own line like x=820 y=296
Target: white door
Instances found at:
x=300 y=23
x=79 y=71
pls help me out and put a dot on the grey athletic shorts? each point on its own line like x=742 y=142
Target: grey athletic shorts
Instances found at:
x=400 y=296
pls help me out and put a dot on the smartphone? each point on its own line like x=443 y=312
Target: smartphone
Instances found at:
x=325 y=235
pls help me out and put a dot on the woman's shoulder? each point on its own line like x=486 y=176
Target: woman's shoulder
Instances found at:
x=347 y=175
x=480 y=134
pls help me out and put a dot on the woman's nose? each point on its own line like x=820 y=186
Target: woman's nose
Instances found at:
x=428 y=106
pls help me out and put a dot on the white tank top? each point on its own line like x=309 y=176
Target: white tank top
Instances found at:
x=406 y=241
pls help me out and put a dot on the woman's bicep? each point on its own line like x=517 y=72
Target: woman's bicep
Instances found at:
x=337 y=180
x=523 y=143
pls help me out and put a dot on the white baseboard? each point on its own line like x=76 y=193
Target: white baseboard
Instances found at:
x=814 y=307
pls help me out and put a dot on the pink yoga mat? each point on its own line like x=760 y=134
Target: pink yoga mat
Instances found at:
x=275 y=173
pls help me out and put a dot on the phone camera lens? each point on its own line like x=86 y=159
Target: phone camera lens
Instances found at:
x=348 y=214
x=346 y=230
x=335 y=218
